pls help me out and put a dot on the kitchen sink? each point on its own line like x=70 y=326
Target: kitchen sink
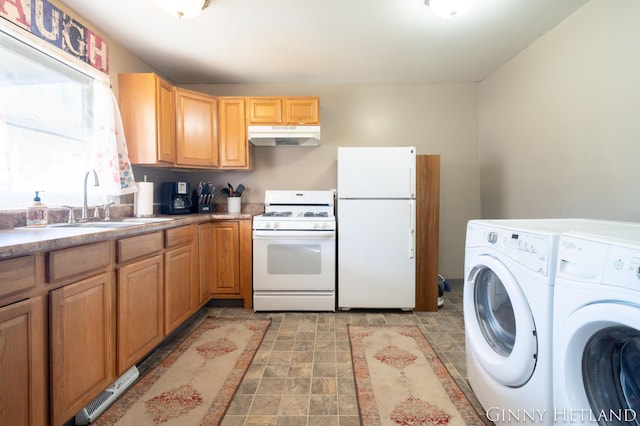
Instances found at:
x=121 y=223
x=94 y=224
x=145 y=219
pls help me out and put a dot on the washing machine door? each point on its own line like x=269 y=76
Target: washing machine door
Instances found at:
x=600 y=364
x=500 y=328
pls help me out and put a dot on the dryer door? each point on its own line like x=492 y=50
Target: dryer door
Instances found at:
x=600 y=364
x=500 y=326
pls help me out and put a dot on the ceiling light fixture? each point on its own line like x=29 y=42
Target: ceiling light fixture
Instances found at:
x=448 y=9
x=183 y=9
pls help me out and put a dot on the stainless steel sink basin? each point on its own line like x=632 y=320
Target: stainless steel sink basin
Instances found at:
x=145 y=219
x=94 y=225
x=120 y=223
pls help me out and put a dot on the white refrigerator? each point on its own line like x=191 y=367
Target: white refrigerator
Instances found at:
x=376 y=216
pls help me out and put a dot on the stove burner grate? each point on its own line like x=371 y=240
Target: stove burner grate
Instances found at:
x=279 y=214
x=316 y=214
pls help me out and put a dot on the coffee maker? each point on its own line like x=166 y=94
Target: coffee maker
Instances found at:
x=174 y=197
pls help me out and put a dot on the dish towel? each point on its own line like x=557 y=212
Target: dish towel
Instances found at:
x=111 y=156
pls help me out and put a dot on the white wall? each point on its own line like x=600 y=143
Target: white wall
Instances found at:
x=558 y=126
x=436 y=118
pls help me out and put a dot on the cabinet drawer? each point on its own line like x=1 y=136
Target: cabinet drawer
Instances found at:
x=77 y=261
x=17 y=274
x=138 y=246
x=180 y=236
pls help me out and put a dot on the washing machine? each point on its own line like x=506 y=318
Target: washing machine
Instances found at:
x=508 y=314
x=597 y=328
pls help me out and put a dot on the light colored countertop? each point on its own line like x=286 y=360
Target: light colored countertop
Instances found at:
x=26 y=240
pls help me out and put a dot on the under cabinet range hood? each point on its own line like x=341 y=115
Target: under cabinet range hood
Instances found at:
x=284 y=135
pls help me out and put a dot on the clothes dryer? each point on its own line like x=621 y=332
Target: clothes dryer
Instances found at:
x=597 y=328
x=508 y=314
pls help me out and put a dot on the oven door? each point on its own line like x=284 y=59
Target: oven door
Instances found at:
x=294 y=260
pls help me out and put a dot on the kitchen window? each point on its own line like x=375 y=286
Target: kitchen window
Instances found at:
x=46 y=128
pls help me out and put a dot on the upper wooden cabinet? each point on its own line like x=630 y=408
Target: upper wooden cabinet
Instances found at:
x=301 y=110
x=196 y=129
x=263 y=110
x=147 y=107
x=283 y=110
x=235 y=151
x=175 y=127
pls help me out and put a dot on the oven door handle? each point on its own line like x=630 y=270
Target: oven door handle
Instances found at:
x=294 y=235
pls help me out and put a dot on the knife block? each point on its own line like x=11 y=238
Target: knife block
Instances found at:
x=205 y=208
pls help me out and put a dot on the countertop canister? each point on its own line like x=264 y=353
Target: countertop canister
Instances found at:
x=234 y=204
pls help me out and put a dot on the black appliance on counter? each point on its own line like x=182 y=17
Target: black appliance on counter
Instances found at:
x=175 y=198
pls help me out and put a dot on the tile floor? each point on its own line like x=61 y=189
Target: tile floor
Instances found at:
x=302 y=373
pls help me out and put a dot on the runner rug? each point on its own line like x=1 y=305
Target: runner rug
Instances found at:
x=194 y=384
x=401 y=381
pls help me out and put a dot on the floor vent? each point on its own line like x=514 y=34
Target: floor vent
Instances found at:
x=100 y=403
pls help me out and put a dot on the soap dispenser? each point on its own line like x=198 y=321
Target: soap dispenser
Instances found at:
x=37 y=213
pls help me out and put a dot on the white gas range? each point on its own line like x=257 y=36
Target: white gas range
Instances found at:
x=294 y=252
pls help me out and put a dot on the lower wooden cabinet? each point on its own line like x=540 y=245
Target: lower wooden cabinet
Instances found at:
x=140 y=318
x=181 y=288
x=76 y=318
x=207 y=263
x=23 y=384
x=226 y=261
x=82 y=344
x=226 y=252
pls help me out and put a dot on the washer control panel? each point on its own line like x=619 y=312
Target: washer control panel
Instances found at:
x=599 y=262
x=529 y=249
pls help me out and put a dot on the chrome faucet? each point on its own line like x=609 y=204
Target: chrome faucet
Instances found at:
x=85 y=207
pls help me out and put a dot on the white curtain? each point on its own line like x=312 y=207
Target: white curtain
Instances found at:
x=111 y=159
x=4 y=140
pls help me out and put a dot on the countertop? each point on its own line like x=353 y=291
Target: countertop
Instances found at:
x=26 y=240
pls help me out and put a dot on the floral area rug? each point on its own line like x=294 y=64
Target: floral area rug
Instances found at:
x=195 y=383
x=401 y=381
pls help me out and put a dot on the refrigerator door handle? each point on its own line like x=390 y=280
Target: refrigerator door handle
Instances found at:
x=412 y=181
x=412 y=229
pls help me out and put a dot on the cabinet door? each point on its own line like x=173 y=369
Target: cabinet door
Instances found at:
x=147 y=107
x=246 y=262
x=301 y=110
x=207 y=262
x=165 y=122
x=22 y=355
x=196 y=139
x=180 y=284
x=82 y=344
x=140 y=320
x=226 y=251
x=263 y=110
x=234 y=145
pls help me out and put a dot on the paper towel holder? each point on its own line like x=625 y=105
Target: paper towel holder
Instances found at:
x=143 y=199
